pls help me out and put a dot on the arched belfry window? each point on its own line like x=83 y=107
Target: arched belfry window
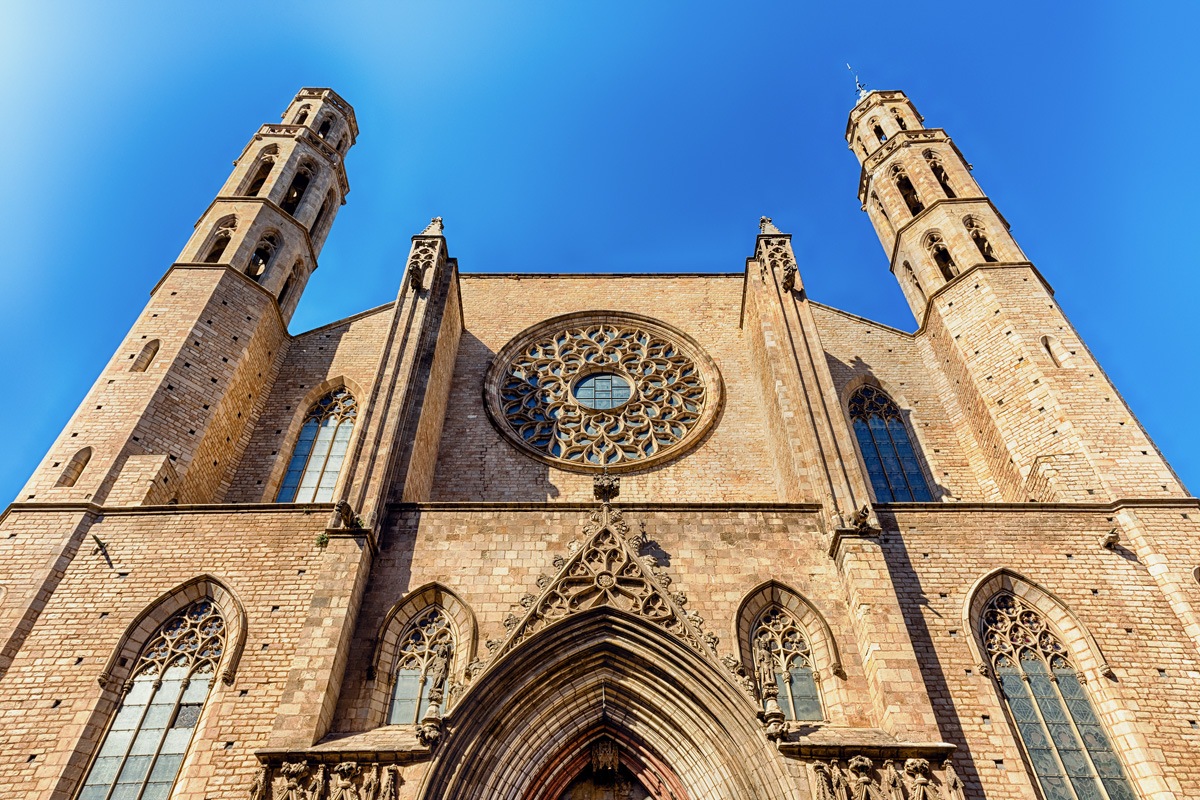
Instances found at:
x=1066 y=744
x=939 y=172
x=935 y=245
x=153 y=726
x=907 y=190
x=301 y=116
x=220 y=240
x=783 y=660
x=899 y=117
x=317 y=460
x=260 y=259
x=295 y=193
x=892 y=465
x=71 y=472
x=426 y=649
x=979 y=236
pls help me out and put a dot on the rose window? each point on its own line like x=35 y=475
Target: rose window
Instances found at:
x=613 y=392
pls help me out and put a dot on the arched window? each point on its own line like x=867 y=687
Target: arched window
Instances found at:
x=317 y=460
x=323 y=131
x=912 y=277
x=285 y=291
x=260 y=176
x=979 y=237
x=861 y=146
x=783 y=663
x=899 y=119
x=1067 y=746
x=146 y=357
x=891 y=461
x=260 y=259
x=936 y=247
x=878 y=131
x=426 y=648
x=879 y=206
x=295 y=192
x=1060 y=355
x=939 y=172
x=301 y=116
x=71 y=472
x=345 y=140
x=153 y=726
x=220 y=240
x=907 y=191
x=322 y=212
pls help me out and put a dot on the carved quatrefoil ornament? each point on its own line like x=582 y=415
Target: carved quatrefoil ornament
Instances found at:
x=603 y=390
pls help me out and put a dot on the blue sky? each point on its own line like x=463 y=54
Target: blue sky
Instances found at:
x=573 y=136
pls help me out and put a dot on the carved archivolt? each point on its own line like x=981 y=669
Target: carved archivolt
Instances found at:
x=593 y=391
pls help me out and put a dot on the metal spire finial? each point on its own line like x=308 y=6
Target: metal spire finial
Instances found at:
x=859 y=86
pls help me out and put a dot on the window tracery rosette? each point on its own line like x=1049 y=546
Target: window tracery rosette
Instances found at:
x=603 y=391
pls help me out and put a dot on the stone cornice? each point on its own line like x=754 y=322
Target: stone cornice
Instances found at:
x=903 y=229
x=174 y=510
x=591 y=506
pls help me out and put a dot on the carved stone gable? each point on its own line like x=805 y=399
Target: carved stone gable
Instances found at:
x=608 y=571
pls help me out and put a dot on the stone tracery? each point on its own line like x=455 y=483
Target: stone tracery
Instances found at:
x=544 y=395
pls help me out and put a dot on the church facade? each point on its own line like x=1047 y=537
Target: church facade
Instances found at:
x=530 y=536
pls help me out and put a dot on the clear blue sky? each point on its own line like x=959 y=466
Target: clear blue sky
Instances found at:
x=614 y=136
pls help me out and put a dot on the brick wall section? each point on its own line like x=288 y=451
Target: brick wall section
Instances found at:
x=934 y=559
x=476 y=462
x=348 y=350
x=268 y=560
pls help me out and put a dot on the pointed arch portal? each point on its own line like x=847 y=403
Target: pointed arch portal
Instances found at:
x=681 y=728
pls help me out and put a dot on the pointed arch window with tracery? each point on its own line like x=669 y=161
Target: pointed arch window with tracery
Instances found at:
x=783 y=664
x=316 y=462
x=1066 y=744
x=887 y=451
x=425 y=652
x=153 y=726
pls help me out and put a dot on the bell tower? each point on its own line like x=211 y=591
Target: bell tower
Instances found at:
x=931 y=216
x=168 y=418
x=1044 y=415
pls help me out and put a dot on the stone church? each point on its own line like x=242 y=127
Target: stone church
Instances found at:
x=530 y=537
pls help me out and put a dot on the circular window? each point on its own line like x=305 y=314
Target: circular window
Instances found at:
x=602 y=391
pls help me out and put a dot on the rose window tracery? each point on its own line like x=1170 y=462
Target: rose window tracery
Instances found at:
x=613 y=392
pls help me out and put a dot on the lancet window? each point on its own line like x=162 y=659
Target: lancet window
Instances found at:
x=892 y=464
x=979 y=237
x=916 y=284
x=260 y=259
x=153 y=726
x=783 y=665
x=70 y=474
x=907 y=191
x=935 y=245
x=899 y=119
x=878 y=131
x=146 y=357
x=295 y=192
x=220 y=240
x=426 y=650
x=261 y=173
x=939 y=172
x=316 y=462
x=1066 y=744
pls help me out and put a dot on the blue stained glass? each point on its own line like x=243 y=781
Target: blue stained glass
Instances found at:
x=893 y=466
x=603 y=391
x=320 y=450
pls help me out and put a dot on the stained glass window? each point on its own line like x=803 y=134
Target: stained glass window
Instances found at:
x=892 y=464
x=320 y=450
x=782 y=655
x=426 y=649
x=1068 y=748
x=602 y=390
x=150 y=733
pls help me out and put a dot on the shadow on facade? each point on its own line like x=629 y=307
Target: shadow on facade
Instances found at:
x=914 y=604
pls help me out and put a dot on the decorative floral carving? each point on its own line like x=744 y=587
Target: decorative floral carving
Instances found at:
x=423 y=257
x=919 y=787
x=348 y=780
x=605 y=394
